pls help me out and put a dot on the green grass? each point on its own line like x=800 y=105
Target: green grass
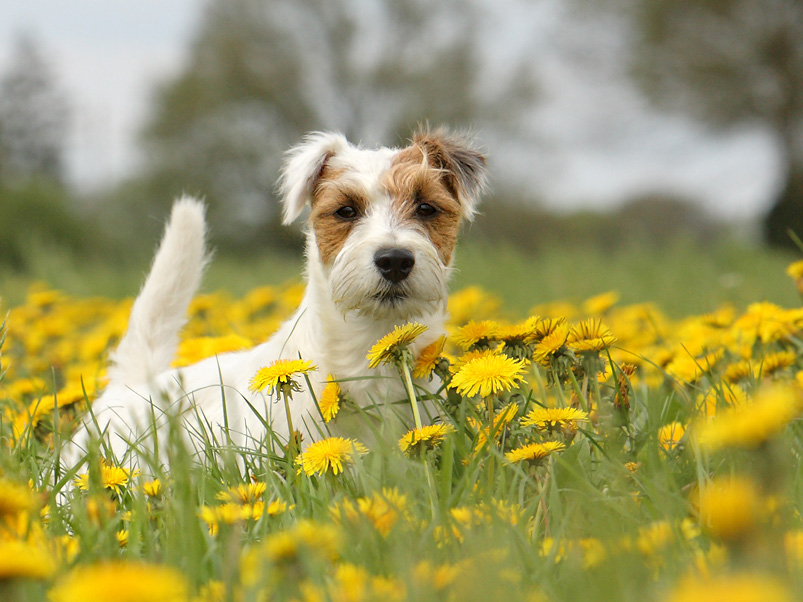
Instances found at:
x=682 y=278
x=583 y=525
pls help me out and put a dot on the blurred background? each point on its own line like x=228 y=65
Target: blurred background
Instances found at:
x=654 y=147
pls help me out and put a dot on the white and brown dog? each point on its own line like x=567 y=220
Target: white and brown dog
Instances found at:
x=380 y=241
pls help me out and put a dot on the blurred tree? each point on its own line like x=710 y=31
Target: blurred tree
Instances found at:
x=34 y=118
x=263 y=72
x=732 y=61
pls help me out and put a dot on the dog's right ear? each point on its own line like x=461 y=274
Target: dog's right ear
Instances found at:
x=303 y=166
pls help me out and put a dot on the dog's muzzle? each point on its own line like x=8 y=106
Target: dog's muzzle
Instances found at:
x=394 y=264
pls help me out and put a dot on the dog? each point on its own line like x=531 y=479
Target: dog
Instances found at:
x=380 y=239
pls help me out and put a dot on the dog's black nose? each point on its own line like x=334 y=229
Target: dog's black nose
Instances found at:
x=394 y=264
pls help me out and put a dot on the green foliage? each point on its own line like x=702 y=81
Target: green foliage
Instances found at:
x=39 y=216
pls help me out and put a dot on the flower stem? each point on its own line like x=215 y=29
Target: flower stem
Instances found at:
x=291 y=441
x=408 y=384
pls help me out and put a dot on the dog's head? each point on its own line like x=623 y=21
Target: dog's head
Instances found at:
x=383 y=223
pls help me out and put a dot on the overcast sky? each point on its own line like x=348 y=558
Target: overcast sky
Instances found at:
x=597 y=140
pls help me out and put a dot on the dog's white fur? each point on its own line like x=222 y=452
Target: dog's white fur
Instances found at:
x=343 y=312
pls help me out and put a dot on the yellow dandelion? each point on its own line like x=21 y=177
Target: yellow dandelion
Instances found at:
x=550 y=418
x=329 y=401
x=735 y=586
x=329 y=455
x=488 y=375
x=687 y=368
x=795 y=272
x=793 y=547
x=546 y=326
x=768 y=322
x=280 y=374
x=469 y=356
x=751 y=424
x=730 y=508
x=476 y=334
x=312 y=541
x=111 y=477
x=599 y=304
x=534 y=453
x=427 y=437
x=521 y=333
x=389 y=347
x=23 y=560
x=590 y=336
x=15 y=498
x=152 y=488
x=429 y=358
x=244 y=493
x=772 y=363
x=500 y=421
x=122 y=582
x=122 y=537
x=739 y=371
x=551 y=344
x=383 y=509
x=716 y=399
x=669 y=436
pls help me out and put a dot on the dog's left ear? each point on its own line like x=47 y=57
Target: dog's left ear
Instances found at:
x=461 y=163
x=302 y=168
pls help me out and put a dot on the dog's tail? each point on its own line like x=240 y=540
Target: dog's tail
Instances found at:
x=160 y=309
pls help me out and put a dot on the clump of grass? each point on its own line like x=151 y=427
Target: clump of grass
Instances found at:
x=591 y=451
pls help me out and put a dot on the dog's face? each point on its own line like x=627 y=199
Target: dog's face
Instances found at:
x=383 y=223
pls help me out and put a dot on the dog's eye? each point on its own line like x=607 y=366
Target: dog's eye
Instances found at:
x=346 y=212
x=425 y=210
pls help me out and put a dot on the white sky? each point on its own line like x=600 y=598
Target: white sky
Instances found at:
x=597 y=140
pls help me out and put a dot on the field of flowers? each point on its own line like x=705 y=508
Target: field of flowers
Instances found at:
x=592 y=451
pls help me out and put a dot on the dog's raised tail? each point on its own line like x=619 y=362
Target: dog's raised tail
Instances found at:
x=160 y=310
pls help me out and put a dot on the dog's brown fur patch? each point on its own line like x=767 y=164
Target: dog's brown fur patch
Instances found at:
x=411 y=181
x=330 y=195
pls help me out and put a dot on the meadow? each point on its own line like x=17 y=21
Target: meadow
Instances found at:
x=611 y=426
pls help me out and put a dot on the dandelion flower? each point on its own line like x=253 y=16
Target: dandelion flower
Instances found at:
x=795 y=271
x=14 y=498
x=534 y=453
x=383 y=509
x=777 y=361
x=429 y=358
x=476 y=334
x=669 y=436
x=738 y=586
x=330 y=454
x=550 y=418
x=244 y=493
x=279 y=375
x=589 y=336
x=521 y=333
x=500 y=421
x=329 y=401
x=23 y=560
x=389 y=346
x=546 y=326
x=739 y=371
x=767 y=322
x=751 y=424
x=152 y=488
x=488 y=375
x=730 y=507
x=111 y=477
x=427 y=437
x=121 y=582
x=469 y=356
x=551 y=344
x=599 y=304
